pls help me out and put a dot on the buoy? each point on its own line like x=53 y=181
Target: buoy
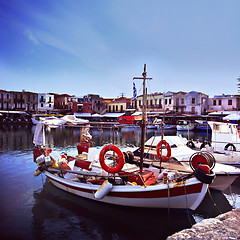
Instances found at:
x=120 y=159
x=103 y=190
x=159 y=146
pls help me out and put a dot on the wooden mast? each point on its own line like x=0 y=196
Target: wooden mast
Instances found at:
x=143 y=124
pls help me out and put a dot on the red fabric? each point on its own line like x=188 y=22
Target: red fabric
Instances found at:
x=148 y=177
x=83 y=147
x=64 y=165
x=38 y=152
x=83 y=164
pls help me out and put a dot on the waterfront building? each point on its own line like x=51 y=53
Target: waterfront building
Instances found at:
x=45 y=103
x=30 y=101
x=196 y=103
x=5 y=100
x=61 y=103
x=154 y=102
x=98 y=106
x=224 y=103
x=119 y=105
x=79 y=105
x=179 y=105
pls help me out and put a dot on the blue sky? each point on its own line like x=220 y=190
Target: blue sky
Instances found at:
x=98 y=46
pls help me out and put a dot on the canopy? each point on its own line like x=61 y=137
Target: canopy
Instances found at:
x=234 y=116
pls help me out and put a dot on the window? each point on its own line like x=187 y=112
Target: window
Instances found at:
x=219 y=102
x=116 y=108
x=170 y=101
x=182 y=100
x=230 y=102
x=160 y=102
x=214 y=102
x=139 y=102
x=165 y=101
x=193 y=100
x=50 y=99
x=41 y=104
x=49 y=105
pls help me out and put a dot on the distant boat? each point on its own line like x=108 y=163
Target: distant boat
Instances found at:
x=184 y=126
x=202 y=126
x=73 y=120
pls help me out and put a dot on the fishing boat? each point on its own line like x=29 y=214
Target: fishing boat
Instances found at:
x=101 y=174
x=181 y=156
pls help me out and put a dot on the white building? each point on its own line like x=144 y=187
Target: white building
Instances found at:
x=45 y=102
x=224 y=103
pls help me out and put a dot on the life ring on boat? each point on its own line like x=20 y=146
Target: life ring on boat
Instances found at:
x=204 y=174
x=159 y=146
x=191 y=144
x=232 y=147
x=120 y=159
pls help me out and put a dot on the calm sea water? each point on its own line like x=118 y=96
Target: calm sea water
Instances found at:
x=32 y=208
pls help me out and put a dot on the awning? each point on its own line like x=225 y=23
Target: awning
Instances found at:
x=234 y=116
x=97 y=115
x=113 y=115
x=82 y=115
x=13 y=112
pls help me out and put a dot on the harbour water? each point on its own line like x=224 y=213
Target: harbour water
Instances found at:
x=32 y=208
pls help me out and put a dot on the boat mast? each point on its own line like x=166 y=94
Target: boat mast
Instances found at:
x=143 y=124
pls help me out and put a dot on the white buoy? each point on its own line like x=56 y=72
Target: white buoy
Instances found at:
x=103 y=190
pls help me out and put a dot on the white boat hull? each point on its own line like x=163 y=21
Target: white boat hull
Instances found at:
x=180 y=196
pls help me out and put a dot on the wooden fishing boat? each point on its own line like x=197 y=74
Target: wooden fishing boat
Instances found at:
x=102 y=175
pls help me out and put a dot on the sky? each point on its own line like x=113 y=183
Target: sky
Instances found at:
x=97 y=46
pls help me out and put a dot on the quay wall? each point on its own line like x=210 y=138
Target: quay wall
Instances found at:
x=224 y=226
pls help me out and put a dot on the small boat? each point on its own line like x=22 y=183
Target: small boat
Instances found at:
x=202 y=126
x=224 y=144
x=101 y=174
x=50 y=121
x=225 y=136
x=180 y=155
x=184 y=126
x=73 y=120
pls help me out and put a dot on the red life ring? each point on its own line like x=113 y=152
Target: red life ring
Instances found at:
x=166 y=158
x=120 y=159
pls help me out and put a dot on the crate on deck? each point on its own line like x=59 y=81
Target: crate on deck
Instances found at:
x=147 y=176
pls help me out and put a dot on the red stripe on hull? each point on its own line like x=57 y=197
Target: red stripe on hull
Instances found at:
x=162 y=193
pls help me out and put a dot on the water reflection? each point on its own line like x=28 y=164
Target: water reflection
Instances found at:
x=57 y=214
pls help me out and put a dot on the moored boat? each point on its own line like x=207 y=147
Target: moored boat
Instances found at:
x=180 y=155
x=102 y=175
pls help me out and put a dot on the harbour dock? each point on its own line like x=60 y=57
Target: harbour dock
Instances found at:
x=224 y=226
